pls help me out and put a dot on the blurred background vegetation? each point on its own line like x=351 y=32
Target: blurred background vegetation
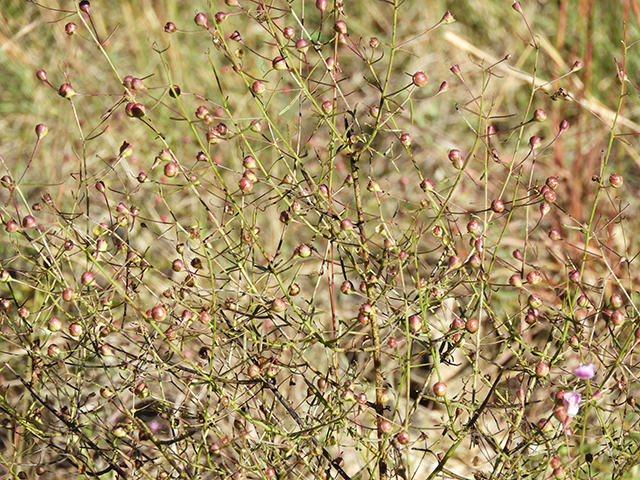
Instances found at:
x=485 y=31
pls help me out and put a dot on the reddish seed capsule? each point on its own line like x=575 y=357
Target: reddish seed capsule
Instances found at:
x=374 y=186
x=331 y=63
x=85 y=6
x=294 y=289
x=54 y=324
x=53 y=350
x=250 y=175
x=75 y=329
x=278 y=305
x=473 y=226
x=346 y=287
x=475 y=261
x=304 y=251
x=534 y=277
x=542 y=369
x=419 y=79
x=245 y=184
x=220 y=17
x=23 y=312
x=617 y=318
x=583 y=301
x=535 y=142
x=29 y=222
x=454 y=262
x=258 y=87
x=616 y=300
x=66 y=91
x=256 y=126
x=403 y=438
x=497 y=206
x=170 y=27
x=545 y=425
x=415 y=324
x=427 y=185
x=41 y=75
x=178 y=265
x=279 y=63
x=574 y=276
x=472 y=325
x=68 y=294
x=175 y=91
x=253 y=371
x=552 y=183
x=616 y=180
x=249 y=162
x=105 y=350
x=141 y=391
x=135 y=110
x=201 y=112
x=321 y=5
x=540 y=115
x=285 y=216
x=87 y=278
x=12 y=226
x=341 y=27
x=517 y=254
x=327 y=106
x=405 y=139
x=454 y=155
x=545 y=208
x=201 y=20
x=534 y=301
x=554 y=234
x=440 y=389
x=550 y=196
x=171 y=169
x=158 y=312
x=346 y=224
x=288 y=32
x=385 y=425
x=458 y=324
x=70 y=28
x=564 y=125
x=374 y=42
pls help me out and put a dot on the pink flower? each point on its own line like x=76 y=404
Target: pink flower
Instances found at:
x=154 y=426
x=585 y=371
x=571 y=402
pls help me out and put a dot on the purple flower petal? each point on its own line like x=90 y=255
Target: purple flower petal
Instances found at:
x=571 y=402
x=585 y=371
